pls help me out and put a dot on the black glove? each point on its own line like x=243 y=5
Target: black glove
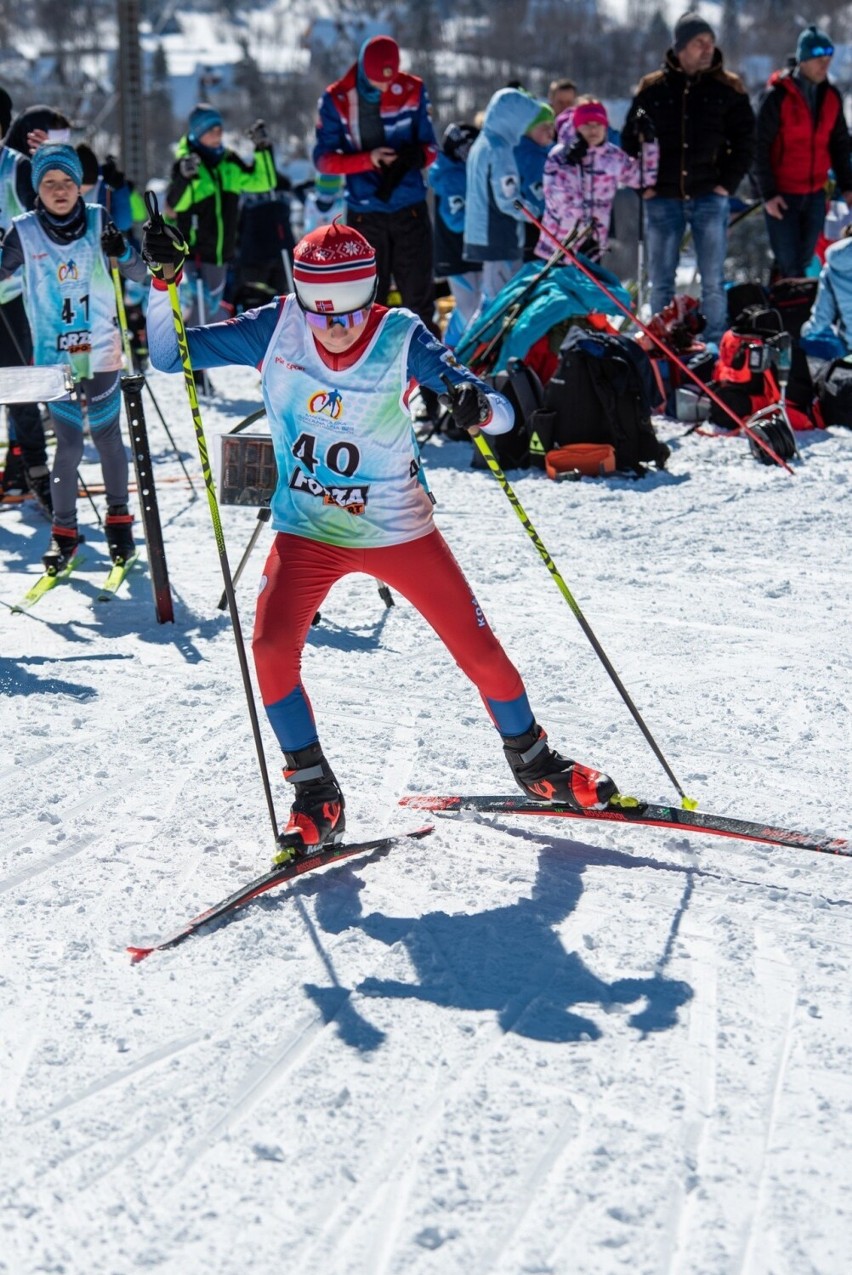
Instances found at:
x=112 y=240
x=644 y=125
x=577 y=152
x=258 y=135
x=163 y=245
x=112 y=174
x=410 y=155
x=188 y=166
x=469 y=406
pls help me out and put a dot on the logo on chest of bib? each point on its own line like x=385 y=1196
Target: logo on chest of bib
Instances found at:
x=326 y=403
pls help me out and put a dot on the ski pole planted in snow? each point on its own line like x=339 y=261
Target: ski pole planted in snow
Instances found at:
x=201 y=440
x=688 y=803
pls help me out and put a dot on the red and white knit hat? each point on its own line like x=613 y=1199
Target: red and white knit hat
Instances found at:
x=334 y=270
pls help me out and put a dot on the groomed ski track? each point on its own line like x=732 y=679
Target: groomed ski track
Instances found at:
x=508 y=1049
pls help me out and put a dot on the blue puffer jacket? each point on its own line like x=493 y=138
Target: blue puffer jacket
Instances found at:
x=493 y=227
x=831 y=316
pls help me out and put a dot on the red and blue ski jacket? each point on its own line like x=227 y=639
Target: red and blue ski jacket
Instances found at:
x=405 y=117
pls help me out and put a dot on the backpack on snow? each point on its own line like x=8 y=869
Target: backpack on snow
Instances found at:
x=745 y=377
x=518 y=448
x=601 y=392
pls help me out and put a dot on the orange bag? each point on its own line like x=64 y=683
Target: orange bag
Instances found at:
x=591 y=460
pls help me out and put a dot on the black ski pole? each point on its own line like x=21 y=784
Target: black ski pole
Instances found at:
x=183 y=350
x=263 y=516
x=688 y=803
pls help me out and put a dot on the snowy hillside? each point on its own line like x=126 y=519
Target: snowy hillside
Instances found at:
x=566 y=1049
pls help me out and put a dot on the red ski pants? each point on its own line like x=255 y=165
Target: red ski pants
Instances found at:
x=299 y=574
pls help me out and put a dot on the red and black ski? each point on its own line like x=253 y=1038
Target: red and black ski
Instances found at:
x=269 y=880
x=644 y=812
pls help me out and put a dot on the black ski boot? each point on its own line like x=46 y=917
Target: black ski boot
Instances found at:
x=38 y=481
x=545 y=776
x=119 y=535
x=64 y=542
x=317 y=816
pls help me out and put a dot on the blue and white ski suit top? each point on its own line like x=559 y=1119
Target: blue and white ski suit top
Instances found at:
x=348 y=462
x=68 y=293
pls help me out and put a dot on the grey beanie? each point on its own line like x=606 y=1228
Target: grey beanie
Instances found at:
x=687 y=27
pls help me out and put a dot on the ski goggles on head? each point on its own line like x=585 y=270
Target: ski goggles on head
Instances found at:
x=325 y=322
x=822 y=51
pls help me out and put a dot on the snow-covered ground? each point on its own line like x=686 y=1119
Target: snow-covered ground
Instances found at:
x=504 y=1049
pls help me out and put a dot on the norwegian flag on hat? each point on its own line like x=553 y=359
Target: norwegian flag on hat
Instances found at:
x=334 y=269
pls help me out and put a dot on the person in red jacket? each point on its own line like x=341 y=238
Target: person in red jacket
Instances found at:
x=374 y=129
x=801 y=135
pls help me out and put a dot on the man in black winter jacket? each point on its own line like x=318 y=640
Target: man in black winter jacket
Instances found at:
x=703 y=120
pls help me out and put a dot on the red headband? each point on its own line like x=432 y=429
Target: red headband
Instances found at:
x=590 y=113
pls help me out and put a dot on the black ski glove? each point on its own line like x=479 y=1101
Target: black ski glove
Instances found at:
x=410 y=155
x=189 y=165
x=112 y=240
x=258 y=135
x=163 y=245
x=112 y=174
x=577 y=152
x=645 y=130
x=469 y=406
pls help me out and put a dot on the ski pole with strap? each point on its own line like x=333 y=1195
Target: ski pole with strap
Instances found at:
x=201 y=441
x=124 y=328
x=688 y=803
x=575 y=261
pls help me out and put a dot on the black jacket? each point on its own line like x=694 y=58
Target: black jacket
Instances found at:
x=704 y=124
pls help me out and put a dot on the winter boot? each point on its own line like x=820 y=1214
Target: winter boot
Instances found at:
x=64 y=542
x=118 y=534
x=38 y=481
x=14 y=482
x=545 y=776
x=316 y=816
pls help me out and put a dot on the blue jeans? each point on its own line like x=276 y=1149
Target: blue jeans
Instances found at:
x=793 y=237
x=707 y=218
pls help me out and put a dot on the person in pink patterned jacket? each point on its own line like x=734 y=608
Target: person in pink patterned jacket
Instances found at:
x=583 y=172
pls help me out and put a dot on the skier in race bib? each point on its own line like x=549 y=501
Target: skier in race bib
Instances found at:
x=62 y=248
x=337 y=371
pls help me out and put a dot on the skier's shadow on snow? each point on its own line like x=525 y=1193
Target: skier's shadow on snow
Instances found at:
x=507 y=960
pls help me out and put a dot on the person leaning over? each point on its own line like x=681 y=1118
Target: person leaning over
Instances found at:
x=336 y=368
x=801 y=135
x=704 y=123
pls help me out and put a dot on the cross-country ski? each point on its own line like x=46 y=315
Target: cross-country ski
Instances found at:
x=638 y=812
